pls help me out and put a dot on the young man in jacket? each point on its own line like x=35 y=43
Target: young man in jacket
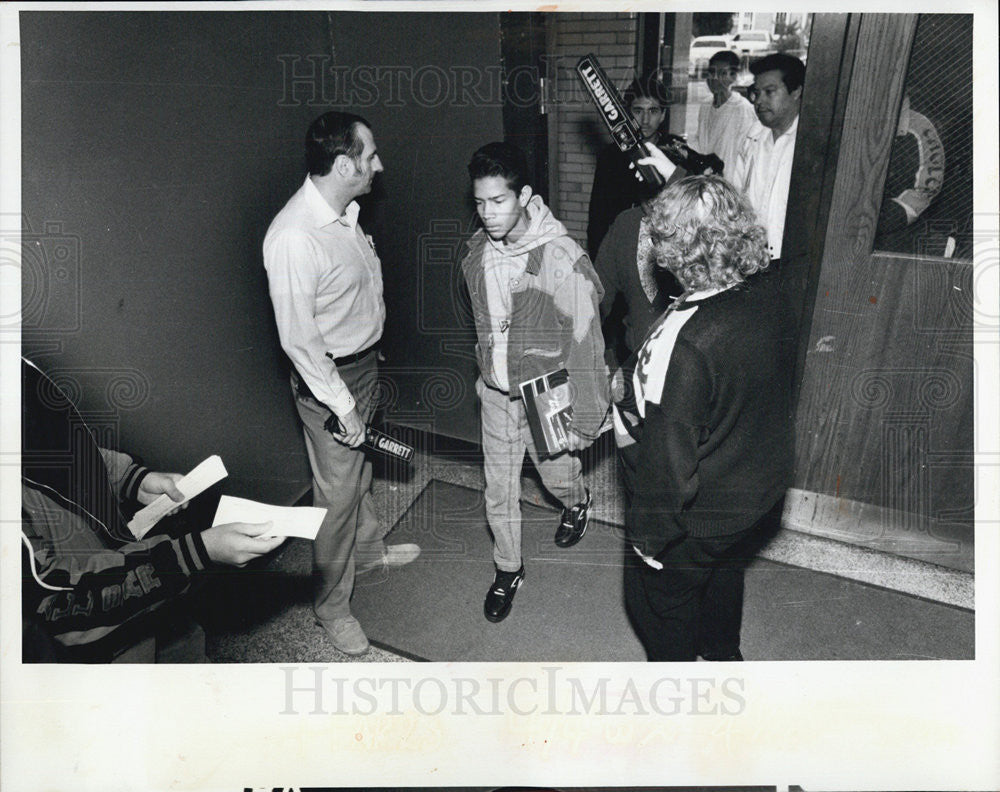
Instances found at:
x=535 y=299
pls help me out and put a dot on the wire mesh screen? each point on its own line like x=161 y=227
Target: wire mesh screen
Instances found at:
x=927 y=204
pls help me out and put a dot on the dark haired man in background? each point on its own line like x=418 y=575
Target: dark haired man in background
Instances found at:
x=325 y=283
x=616 y=187
x=764 y=165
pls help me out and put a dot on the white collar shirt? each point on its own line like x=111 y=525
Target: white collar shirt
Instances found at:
x=763 y=173
x=325 y=282
x=722 y=130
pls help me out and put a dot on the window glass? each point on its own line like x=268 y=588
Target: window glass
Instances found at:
x=927 y=203
x=751 y=36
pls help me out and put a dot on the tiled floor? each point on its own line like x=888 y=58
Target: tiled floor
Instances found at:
x=288 y=633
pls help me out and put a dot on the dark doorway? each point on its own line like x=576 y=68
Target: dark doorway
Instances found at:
x=522 y=50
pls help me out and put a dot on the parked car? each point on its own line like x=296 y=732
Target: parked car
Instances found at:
x=752 y=42
x=702 y=49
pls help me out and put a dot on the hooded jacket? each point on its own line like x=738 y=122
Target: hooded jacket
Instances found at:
x=554 y=318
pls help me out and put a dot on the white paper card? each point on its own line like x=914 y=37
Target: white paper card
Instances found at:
x=299 y=521
x=194 y=483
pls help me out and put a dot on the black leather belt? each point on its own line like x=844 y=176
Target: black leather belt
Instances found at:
x=300 y=384
x=347 y=360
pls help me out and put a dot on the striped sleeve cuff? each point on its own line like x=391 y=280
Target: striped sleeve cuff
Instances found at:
x=192 y=554
x=133 y=478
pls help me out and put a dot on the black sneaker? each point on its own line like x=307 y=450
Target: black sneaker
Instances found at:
x=736 y=656
x=501 y=594
x=574 y=523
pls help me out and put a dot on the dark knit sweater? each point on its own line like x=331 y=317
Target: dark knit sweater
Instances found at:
x=618 y=269
x=716 y=453
x=614 y=190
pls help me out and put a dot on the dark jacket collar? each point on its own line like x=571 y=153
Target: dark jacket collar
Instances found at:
x=722 y=296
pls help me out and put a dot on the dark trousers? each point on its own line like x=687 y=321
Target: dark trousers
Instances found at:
x=694 y=605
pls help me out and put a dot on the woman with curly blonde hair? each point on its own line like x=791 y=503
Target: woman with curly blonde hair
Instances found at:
x=707 y=442
x=706 y=234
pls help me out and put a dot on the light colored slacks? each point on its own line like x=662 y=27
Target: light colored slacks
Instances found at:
x=342 y=481
x=506 y=436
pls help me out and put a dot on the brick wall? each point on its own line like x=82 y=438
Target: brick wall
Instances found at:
x=576 y=132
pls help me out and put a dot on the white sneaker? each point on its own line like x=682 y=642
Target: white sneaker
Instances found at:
x=346 y=635
x=393 y=556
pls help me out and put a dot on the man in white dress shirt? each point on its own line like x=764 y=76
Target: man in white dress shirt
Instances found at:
x=764 y=165
x=724 y=122
x=325 y=283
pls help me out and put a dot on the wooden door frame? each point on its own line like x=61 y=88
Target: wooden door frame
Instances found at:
x=868 y=435
x=832 y=48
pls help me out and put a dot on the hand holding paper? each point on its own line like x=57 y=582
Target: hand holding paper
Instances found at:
x=156 y=484
x=194 y=483
x=239 y=543
x=300 y=521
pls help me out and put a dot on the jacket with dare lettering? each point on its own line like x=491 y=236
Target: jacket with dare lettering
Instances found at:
x=84 y=575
